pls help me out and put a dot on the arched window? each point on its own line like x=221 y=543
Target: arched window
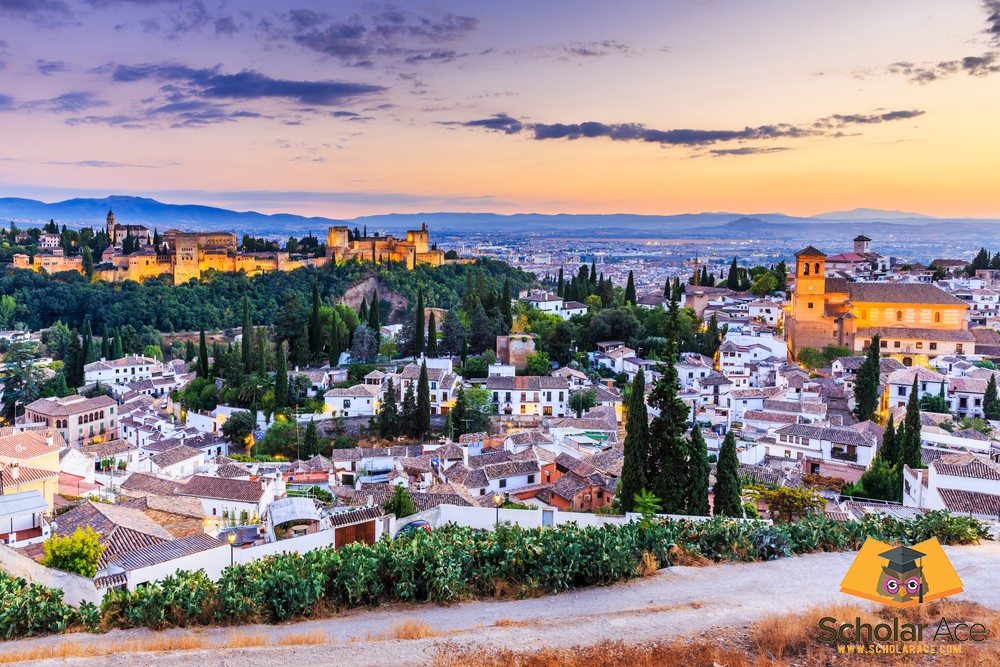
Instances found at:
x=937 y=317
x=899 y=316
x=805 y=269
x=816 y=268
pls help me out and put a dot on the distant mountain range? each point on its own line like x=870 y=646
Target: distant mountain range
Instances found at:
x=153 y=213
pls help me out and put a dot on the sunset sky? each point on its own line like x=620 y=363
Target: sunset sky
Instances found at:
x=351 y=108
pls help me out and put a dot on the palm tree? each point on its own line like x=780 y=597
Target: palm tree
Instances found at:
x=253 y=389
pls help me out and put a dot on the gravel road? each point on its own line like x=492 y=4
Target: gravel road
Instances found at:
x=677 y=601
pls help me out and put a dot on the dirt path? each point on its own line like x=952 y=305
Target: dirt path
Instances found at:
x=677 y=601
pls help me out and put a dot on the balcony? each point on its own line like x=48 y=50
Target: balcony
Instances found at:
x=841 y=455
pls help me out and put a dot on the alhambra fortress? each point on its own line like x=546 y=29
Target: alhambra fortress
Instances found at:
x=187 y=255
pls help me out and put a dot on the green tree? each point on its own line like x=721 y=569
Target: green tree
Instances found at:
x=432 y=342
x=374 y=316
x=699 y=472
x=78 y=553
x=238 y=428
x=630 y=290
x=559 y=343
x=481 y=336
x=21 y=379
x=866 y=384
x=991 y=402
x=764 y=284
x=890 y=446
x=881 y=481
x=246 y=344
x=202 y=355
x=458 y=414
x=733 y=277
x=506 y=315
x=105 y=343
x=315 y=325
x=452 y=334
x=335 y=350
x=388 y=416
x=636 y=446
x=310 y=441
x=281 y=377
x=423 y=425
x=647 y=504
x=727 y=490
x=810 y=357
x=410 y=420
x=581 y=401
x=537 y=363
x=909 y=446
x=418 y=324
x=399 y=503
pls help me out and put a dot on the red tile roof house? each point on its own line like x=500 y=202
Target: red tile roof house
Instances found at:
x=230 y=497
x=962 y=483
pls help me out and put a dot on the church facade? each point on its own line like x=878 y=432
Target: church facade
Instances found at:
x=915 y=322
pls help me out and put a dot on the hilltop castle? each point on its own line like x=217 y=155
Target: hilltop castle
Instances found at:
x=187 y=255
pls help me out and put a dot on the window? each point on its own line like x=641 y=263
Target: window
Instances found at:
x=958 y=348
x=531 y=479
x=899 y=316
x=347 y=403
x=805 y=269
x=810 y=304
x=920 y=345
x=788 y=453
x=932 y=346
x=503 y=484
x=816 y=268
x=901 y=391
x=937 y=317
x=883 y=343
x=864 y=314
x=896 y=343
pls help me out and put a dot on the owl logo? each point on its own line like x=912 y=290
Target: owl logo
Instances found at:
x=901 y=576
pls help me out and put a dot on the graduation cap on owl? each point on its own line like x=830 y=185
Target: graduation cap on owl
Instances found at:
x=901 y=576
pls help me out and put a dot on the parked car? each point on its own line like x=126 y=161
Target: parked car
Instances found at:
x=413 y=527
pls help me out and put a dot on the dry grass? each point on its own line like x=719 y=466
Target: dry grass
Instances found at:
x=681 y=555
x=411 y=630
x=777 y=641
x=648 y=564
x=178 y=642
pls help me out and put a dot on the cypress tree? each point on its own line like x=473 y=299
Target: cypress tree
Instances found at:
x=593 y=274
x=86 y=350
x=505 y=311
x=890 y=449
x=246 y=345
x=190 y=353
x=281 y=377
x=667 y=293
x=202 y=355
x=363 y=311
x=74 y=359
x=727 y=488
x=562 y=285
x=432 y=342
x=733 y=279
x=703 y=279
x=866 y=384
x=991 y=402
x=667 y=472
x=909 y=447
x=388 y=416
x=260 y=338
x=410 y=420
x=458 y=413
x=315 y=325
x=699 y=471
x=374 y=317
x=335 y=340
x=423 y=426
x=105 y=343
x=636 y=446
x=630 y=290
x=418 y=324
x=310 y=441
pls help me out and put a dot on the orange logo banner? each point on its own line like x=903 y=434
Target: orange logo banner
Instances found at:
x=901 y=576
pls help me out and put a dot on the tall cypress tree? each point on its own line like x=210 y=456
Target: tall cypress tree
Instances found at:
x=246 y=344
x=909 y=447
x=315 y=325
x=202 y=355
x=410 y=421
x=866 y=384
x=630 y=290
x=458 y=413
x=335 y=340
x=281 y=377
x=260 y=337
x=74 y=360
x=699 y=472
x=505 y=311
x=633 y=477
x=423 y=426
x=733 y=279
x=667 y=472
x=105 y=343
x=86 y=350
x=374 y=316
x=190 y=353
x=432 y=342
x=890 y=449
x=363 y=311
x=991 y=402
x=727 y=488
x=418 y=324
x=388 y=415
x=562 y=285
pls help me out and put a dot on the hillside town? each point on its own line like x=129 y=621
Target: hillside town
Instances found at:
x=857 y=387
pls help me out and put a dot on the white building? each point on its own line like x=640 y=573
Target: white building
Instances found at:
x=121 y=371
x=529 y=395
x=361 y=400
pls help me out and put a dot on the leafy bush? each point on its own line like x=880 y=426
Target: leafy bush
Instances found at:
x=77 y=553
x=452 y=564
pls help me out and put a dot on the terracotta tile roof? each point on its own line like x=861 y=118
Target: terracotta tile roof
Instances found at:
x=421 y=501
x=163 y=552
x=27 y=474
x=70 y=405
x=140 y=483
x=122 y=529
x=360 y=515
x=24 y=445
x=217 y=488
x=175 y=455
x=966 y=465
x=526 y=383
x=965 y=502
x=836 y=435
x=915 y=333
x=569 y=485
x=108 y=448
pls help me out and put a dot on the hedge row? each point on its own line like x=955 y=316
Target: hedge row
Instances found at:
x=451 y=564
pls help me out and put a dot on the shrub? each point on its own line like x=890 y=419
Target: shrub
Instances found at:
x=27 y=610
x=77 y=553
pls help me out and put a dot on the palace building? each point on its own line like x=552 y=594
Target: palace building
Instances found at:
x=187 y=255
x=414 y=250
x=915 y=322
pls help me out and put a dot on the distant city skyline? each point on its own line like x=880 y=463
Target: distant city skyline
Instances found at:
x=359 y=108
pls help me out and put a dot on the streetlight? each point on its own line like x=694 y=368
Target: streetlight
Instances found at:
x=231 y=538
x=497 y=500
